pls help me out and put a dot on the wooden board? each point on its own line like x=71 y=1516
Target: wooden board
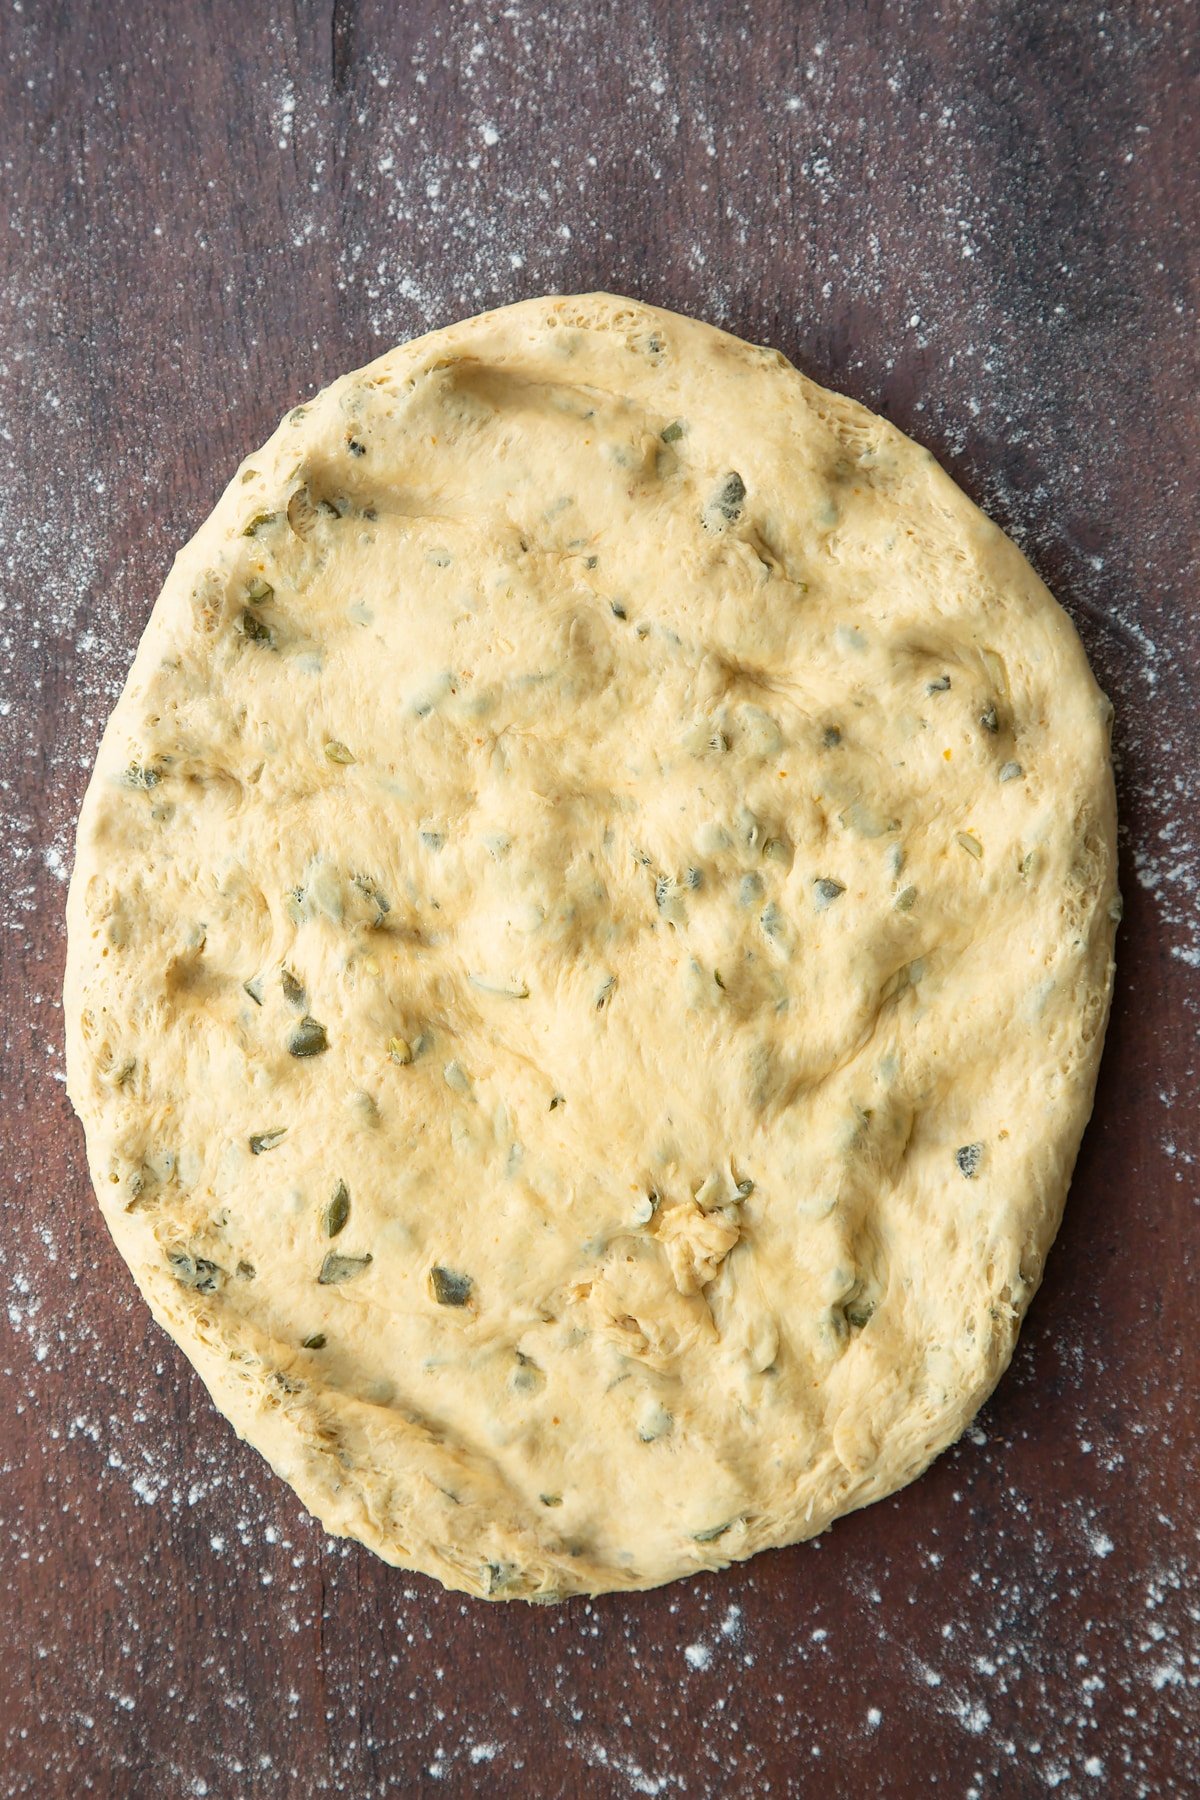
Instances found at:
x=979 y=219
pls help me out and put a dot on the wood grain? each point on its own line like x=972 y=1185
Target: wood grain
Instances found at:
x=979 y=219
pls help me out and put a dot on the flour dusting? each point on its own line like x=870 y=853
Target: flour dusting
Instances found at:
x=980 y=229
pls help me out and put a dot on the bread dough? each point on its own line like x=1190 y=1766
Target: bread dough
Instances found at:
x=590 y=943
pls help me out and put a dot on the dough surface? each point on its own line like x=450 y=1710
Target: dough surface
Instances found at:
x=589 y=949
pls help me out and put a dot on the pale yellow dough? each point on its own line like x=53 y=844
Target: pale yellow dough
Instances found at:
x=678 y=828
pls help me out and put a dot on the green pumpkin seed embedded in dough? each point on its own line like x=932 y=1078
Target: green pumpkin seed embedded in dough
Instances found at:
x=293 y=989
x=139 y=776
x=267 y=1140
x=195 y=1271
x=450 y=1289
x=255 y=629
x=728 y=499
x=338 y=1210
x=336 y=1268
x=968 y=1159
x=713 y=1532
x=308 y=1039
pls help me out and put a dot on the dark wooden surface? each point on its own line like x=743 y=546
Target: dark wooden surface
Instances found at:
x=979 y=219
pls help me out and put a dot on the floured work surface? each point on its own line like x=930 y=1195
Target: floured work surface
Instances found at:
x=589 y=950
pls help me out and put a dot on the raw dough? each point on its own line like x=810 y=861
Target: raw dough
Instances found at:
x=590 y=944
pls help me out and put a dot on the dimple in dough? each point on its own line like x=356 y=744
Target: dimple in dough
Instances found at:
x=589 y=948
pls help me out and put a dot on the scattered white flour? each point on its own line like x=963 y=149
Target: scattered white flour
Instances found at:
x=391 y=169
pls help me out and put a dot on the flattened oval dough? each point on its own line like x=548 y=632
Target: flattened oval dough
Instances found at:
x=590 y=943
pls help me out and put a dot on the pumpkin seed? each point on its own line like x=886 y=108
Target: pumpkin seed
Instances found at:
x=338 y=1210
x=308 y=1039
x=255 y=629
x=968 y=1158
x=336 y=1269
x=450 y=1289
x=370 y=892
x=267 y=1140
x=137 y=776
x=195 y=1271
x=727 y=500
